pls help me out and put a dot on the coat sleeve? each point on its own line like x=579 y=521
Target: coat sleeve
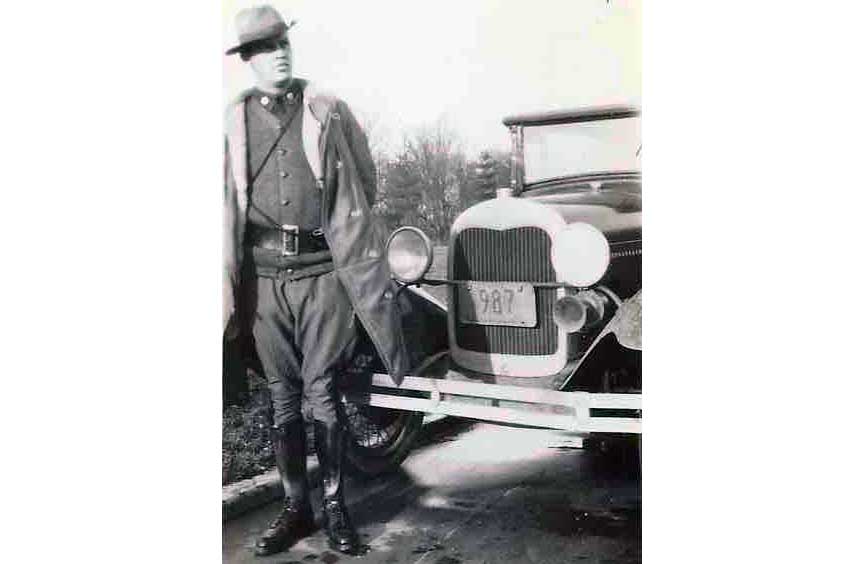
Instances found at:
x=359 y=144
x=229 y=226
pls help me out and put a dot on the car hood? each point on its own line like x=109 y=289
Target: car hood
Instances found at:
x=615 y=212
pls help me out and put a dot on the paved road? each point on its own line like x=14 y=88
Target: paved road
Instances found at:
x=474 y=493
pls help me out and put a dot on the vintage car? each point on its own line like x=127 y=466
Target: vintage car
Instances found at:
x=543 y=322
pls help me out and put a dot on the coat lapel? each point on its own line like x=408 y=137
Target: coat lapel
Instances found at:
x=237 y=151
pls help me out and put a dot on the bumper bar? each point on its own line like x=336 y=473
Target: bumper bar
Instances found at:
x=549 y=409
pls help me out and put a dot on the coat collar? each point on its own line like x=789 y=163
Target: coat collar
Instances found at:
x=318 y=101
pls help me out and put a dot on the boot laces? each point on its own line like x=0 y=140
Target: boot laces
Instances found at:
x=336 y=513
x=289 y=513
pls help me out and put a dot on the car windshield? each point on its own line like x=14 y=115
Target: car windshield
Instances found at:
x=570 y=149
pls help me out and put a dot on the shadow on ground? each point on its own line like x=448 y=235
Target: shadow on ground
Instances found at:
x=472 y=493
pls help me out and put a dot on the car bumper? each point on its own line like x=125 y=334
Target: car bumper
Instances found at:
x=441 y=388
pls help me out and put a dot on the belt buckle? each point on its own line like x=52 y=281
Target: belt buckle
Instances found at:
x=290 y=240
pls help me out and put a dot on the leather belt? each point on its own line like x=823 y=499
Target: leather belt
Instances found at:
x=290 y=240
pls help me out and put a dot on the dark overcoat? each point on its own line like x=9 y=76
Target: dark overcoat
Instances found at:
x=338 y=152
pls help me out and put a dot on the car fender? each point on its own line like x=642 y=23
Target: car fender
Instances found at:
x=626 y=325
x=623 y=333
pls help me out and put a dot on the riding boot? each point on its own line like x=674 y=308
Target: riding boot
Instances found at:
x=296 y=519
x=330 y=447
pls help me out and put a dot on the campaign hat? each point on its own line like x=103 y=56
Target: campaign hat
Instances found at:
x=257 y=24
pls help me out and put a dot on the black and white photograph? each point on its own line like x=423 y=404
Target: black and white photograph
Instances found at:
x=408 y=236
x=432 y=282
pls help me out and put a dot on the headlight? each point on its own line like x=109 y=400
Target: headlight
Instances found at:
x=409 y=254
x=580 y=254
x=583 y=310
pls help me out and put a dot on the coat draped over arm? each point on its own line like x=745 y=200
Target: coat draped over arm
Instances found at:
x=338 y=152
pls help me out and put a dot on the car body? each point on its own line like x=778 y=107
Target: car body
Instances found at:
x=544 y=285
x=512 y=238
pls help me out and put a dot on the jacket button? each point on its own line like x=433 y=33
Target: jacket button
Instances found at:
x=283 y=174
x=286 y=201
x=282 y=151
x=388 y=294
x=373 y=253
x=338 y=165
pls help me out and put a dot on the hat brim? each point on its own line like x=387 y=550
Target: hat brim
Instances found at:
x=236 y=49
x=246 y=45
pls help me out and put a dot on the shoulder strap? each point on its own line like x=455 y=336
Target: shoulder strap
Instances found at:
x=282 y=131
x=252 y=179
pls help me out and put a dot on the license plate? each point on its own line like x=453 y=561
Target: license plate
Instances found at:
x=497 y=303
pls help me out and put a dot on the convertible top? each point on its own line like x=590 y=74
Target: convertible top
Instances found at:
x=592 y=113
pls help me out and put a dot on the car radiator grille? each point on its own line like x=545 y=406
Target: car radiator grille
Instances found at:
x=520 y=254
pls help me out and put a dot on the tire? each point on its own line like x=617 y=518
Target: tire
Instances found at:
x=379 y=439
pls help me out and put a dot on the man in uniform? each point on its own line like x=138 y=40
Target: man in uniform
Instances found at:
x=302 y=257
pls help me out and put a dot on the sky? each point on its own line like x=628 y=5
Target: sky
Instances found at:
x=402 y=65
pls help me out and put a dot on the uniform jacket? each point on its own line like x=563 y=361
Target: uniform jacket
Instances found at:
x=338 y=152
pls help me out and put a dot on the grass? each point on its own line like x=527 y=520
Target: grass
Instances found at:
x=246 y=447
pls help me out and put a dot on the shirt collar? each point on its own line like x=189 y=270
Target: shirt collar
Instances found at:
x=290 y=98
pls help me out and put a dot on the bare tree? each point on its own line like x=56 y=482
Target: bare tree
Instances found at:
x=377 y=132
x=430 y=169
x=429 y=180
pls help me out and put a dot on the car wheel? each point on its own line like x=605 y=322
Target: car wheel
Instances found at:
x=379 y=438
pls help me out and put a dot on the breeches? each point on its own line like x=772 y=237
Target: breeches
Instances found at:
x=304 y=334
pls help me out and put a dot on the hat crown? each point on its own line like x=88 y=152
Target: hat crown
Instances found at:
x=259 y=22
